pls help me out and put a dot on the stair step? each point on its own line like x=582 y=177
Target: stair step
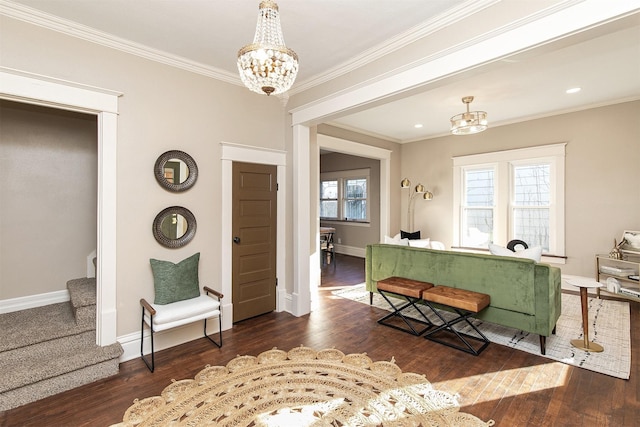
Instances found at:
x=27 y=327
x=52 y=358
x=82 y=293
x=50 y=349
x=54 y=385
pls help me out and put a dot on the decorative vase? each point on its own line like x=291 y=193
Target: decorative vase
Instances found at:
x=615 y=252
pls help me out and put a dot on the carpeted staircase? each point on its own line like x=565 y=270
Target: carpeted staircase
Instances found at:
x=51 y=349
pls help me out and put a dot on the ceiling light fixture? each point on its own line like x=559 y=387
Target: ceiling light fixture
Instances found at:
x=573 y=90
x=267 y=65
x=469 y=122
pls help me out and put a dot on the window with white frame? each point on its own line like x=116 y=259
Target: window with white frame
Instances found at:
x=513 y=194
x=344 y=195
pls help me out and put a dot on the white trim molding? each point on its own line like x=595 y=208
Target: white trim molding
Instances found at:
x=351 y=250
x=563 y=20
x=230 y=153
x=40 y=90
x=422 y=30
x=33 y=301
x=83 y=32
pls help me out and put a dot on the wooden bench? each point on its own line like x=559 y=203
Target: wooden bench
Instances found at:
x=464 y=303
x=410 y=291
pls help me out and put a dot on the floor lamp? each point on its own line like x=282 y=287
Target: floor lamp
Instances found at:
x=414 y=193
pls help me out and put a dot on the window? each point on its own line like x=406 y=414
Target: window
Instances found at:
x=344 y=195
x=515 y=194
x=329 y=199
x=531 y=204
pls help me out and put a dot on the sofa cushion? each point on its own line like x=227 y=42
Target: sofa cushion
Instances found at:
x=182 y=312
x=534 y=252
x=175 y=282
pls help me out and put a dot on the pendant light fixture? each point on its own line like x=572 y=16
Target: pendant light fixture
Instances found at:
x=469 y=122
x=267 y=66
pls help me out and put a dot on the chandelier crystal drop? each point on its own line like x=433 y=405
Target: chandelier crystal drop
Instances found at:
x=267 y=66
x=469 y=122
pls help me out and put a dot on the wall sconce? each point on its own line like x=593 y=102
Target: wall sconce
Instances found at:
x=414 y=193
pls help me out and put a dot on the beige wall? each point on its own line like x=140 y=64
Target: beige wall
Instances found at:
x=601 y=182
x=48 y=182
x=162 y=108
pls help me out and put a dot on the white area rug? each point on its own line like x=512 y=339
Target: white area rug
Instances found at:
x=608 y=326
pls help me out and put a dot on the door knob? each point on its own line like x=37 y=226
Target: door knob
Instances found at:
x=236 y=240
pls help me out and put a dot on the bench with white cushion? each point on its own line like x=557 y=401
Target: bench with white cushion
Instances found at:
x=160 y=317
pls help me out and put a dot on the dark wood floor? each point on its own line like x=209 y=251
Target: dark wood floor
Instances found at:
x=512 y=387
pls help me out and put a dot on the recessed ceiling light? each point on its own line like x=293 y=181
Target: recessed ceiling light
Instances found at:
x=417 y=125
x=574 y=90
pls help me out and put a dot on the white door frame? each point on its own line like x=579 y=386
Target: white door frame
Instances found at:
x=242 y=153
x=40 y=90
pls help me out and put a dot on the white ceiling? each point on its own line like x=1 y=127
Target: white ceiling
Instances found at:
x=328 y=34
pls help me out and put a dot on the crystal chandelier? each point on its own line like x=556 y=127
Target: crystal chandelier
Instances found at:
x=267 y=65
x=469 y=122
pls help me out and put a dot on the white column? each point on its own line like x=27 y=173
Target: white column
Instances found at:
x=106 y=319
x=301 y=299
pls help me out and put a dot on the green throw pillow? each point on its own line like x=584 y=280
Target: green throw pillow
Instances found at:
x=175 y=282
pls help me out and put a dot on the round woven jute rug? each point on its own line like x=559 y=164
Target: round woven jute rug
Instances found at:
x=301 y=387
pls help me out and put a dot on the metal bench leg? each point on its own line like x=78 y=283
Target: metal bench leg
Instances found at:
x=448 y=326
x=219 y=343
x=151 y=365
x=407 y=320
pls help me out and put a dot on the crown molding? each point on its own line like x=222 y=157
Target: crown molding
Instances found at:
x=548 y=13
x=83 y=32
x=364 y=132
x=466 y=9
x=463 y=11
x=403 y=39
x=529 y=118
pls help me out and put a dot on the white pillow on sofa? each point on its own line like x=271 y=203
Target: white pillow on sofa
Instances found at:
x=420 y=243
x=396 y=241
x=534 y=252
x=437 y=245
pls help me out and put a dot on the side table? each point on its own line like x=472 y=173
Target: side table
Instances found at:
x=584 y=283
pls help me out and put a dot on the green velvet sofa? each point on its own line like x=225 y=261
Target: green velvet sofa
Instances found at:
x=524 y=294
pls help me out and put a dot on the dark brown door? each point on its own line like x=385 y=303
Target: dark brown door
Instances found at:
x=254 y=240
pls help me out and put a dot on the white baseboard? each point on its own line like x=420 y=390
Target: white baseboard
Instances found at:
x=284 y=300
x=351 y=250
x=33 y=301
